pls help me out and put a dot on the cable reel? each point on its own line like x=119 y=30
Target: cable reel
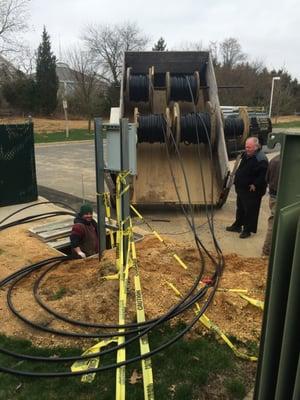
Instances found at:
x=139 y=87
x=182 y=87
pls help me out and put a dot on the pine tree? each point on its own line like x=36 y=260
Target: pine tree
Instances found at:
x=160 y=45
x=46 y=78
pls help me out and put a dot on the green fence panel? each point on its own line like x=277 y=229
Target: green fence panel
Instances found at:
x=17 y=164
x=274 y=379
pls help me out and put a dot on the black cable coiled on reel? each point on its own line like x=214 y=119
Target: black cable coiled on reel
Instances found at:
x=181 y=87
x=195 y=128
x=139 y=88
x=152 y=128
x=233 y=127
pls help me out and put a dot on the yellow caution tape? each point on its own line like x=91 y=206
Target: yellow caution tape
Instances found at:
x=155 y=233
x=106 y=200
x=211 y=326
x=158 y=236
x=179 y=261
x=121 y=353
x=144 y=343
x=232 y=290
x=91 y=363
x=254 y=302
x=136 y=212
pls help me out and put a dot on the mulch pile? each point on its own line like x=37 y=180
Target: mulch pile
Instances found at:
x=77 y=288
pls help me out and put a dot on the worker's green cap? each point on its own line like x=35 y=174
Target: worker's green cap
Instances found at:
x=85 y=209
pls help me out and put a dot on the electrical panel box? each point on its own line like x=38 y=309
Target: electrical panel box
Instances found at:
x=113 y=151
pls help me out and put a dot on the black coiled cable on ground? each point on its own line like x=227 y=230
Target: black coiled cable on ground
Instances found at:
x=151 y=128
x=195 y=128
x=139 y=88
x=233 y=127
x=181 y=87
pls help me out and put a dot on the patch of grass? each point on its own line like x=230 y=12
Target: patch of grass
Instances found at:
x=235 y=388
x=74 y=134
x=292 y=124
x=180 y=372
x=59 y=294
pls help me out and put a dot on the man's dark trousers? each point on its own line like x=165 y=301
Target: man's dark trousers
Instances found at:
x=247 y=210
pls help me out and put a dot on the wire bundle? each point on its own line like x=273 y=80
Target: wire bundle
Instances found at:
x=233 y=127
x=195 y=128
x=151 y=128
x=139 y=88
x=183 y=88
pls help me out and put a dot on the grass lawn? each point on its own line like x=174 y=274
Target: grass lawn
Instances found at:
x=74 y=134
x=189 y=370
x=292 y=124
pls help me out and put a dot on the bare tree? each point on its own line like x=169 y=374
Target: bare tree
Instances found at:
x=87 y=82
x=107 y=45
x=231 y=52
x=13 y=21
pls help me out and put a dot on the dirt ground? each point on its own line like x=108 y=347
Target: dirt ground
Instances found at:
x=77 y=289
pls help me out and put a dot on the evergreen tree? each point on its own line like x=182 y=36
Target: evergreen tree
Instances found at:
x=46 y=78
x=160 y=45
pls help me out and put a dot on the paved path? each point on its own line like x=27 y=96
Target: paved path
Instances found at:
x=67 y=167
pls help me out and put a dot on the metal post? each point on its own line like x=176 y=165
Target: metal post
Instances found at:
x=275 y=78
x=99 y=158
x=125 y=207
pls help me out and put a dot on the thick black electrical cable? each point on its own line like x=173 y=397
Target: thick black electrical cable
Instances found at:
x=35 y=205
x=139 y=88
x=115 y=365
x=151 y=128
x=209 y=219
x=203 y=291
x=194 y=127
x=233 y=127
x=179 y=88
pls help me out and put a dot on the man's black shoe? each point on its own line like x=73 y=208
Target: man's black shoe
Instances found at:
x=233 y=228
x=245 y=234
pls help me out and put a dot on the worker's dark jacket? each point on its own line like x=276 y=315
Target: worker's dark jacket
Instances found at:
x=252 y=171
x=84 y=235
x=272 y=176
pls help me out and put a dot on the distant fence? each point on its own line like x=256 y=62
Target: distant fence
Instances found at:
x=17 y=164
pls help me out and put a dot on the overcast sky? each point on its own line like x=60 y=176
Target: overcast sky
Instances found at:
x=268 y=31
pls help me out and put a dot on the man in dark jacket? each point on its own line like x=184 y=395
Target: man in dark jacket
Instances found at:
x=250 y=185
x=84 y=234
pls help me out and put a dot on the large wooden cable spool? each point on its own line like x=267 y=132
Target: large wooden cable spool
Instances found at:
x=243 y=113
x=176 y=115
x=213 y=122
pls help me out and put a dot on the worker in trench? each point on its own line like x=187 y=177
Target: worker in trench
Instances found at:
x=84 y=234
x=250 y=186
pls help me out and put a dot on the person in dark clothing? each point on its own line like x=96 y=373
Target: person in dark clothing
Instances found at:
x=272 y=179
x=84 y=234
x=250 y=186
